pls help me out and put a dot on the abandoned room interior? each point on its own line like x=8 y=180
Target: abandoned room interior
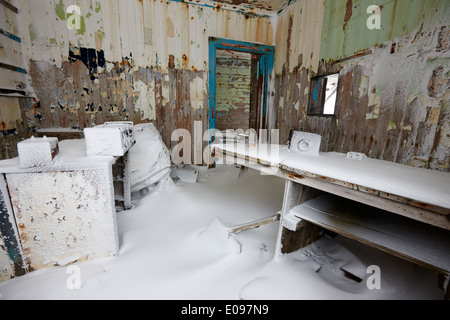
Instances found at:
x=285 y=149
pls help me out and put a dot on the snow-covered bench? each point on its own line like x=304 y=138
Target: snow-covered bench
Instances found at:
x=368 y=193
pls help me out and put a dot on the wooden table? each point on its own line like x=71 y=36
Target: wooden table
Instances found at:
x=353 y=198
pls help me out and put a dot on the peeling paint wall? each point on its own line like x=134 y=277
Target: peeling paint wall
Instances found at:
x=14 y=83
x=260 y=6
x=298 y=34
x=148 y=61
x=139 y=61
x=233 y=84
x=345 y=29
x=11 y=55
x=7 y=270
x=13 y=111
x=393 y=100
x=146 y=32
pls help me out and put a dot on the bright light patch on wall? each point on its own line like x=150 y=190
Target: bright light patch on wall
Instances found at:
x=323 y=95
x=331 y=94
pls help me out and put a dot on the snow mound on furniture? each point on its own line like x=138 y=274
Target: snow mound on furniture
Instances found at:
x=149 y=159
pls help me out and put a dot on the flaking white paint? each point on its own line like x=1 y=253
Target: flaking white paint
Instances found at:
x=197 y=93
x=305 y=35
x=145 y=99
x=127 y=28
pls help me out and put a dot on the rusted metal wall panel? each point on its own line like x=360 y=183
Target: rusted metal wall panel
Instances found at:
x=58 y=227
x=12 y=61
x=298 y=36
x=393 y=103
x=147 y=31
x=259 y=7
x=16 y=102
x=345 y=30
x=138 y=61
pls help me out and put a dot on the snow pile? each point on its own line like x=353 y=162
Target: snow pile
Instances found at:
x=216 y=236
x=174 y=245
x=149 y=159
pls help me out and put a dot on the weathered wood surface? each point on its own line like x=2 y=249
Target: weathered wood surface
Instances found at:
x=390 y=105
x=143 y=61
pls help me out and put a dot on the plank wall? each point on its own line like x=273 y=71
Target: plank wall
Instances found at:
x=393 y=95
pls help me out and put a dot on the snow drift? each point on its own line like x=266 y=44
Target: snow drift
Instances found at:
x=174 y=245
x=149 y=159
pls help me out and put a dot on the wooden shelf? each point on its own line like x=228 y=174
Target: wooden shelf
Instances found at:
x=417 y=242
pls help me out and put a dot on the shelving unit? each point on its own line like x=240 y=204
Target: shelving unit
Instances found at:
x=414 y=241
x=122 y=184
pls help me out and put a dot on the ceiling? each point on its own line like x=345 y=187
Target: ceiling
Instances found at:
x=272 y=6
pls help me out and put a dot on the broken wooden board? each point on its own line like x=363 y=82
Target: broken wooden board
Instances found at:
x=254 y=224
x=185 y=175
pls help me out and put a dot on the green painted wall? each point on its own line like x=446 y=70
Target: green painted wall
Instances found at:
x=345 y=29
x=233 y=83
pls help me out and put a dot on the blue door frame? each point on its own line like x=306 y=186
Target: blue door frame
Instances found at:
x=266 y=61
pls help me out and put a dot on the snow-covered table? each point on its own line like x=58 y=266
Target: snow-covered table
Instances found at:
x=419 y=194
x=413 y=193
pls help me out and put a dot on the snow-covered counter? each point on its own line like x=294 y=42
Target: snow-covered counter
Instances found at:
x=64 y=211
x=421 y=190
x=396 y=208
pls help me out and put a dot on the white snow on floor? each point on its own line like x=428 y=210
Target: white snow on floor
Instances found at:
x=174 y=245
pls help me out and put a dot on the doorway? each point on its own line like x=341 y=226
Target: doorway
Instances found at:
x=234 y=90
x=238 y=84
